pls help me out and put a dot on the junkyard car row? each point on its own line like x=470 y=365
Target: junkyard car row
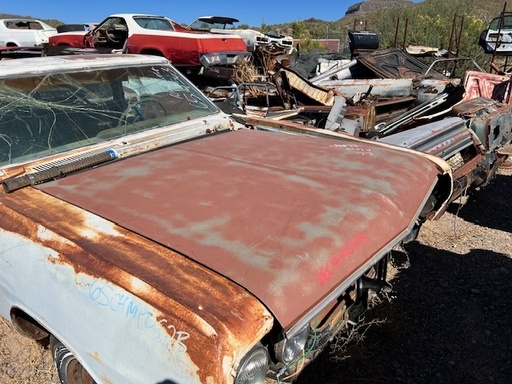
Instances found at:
x=157 y=235
x=157 y=35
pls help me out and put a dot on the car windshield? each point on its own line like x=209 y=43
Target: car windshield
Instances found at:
x=207 y=25
x=217 y=22
x=506 y=23
x=54 y=113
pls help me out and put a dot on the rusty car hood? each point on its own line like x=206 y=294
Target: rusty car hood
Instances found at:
x=290 y=218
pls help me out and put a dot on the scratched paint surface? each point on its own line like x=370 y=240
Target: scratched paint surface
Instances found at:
x=130 y=333
x=287 y=217
x=165 y=299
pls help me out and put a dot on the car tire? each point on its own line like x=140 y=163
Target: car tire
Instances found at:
x=70 y=371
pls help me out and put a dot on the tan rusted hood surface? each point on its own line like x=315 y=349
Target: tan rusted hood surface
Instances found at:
x=287 y=217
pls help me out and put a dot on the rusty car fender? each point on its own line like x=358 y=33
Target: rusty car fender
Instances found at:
x=80 y=264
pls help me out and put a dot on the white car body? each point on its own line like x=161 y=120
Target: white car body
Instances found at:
x=497 y=38
x=253 y=39
x=24 y=32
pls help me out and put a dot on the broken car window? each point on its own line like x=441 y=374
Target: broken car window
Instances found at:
x=43 y=115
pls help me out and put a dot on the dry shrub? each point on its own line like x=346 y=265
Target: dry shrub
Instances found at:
x=245 y=72
x=352 y=336
x=23 y=360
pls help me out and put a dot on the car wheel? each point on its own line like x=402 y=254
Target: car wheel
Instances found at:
x=70 y=371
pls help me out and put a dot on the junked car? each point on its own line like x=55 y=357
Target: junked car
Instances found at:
x=255 y=40
x=467 y=123
x=226 y=25
x=24 y=32
x=497 y=38
x=153 y=240
x=157 y=35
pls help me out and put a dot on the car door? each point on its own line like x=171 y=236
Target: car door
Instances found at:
x=111 y=33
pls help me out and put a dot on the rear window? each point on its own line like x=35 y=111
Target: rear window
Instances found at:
x=159 y=24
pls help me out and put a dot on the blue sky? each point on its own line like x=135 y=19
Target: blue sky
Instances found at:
x=249 y=12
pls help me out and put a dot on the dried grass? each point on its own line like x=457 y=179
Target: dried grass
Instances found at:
x=22 y=360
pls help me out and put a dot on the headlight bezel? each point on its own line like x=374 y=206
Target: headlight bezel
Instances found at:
x=288 y=350
x=254 y=366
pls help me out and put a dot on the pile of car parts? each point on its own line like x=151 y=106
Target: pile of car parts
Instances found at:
x=392 y=97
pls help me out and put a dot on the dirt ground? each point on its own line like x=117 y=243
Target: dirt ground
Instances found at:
x=447 y=320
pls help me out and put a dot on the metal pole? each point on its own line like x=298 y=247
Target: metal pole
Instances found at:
x=500 y=24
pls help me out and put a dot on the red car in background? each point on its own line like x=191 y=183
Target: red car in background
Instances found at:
x=158 y=35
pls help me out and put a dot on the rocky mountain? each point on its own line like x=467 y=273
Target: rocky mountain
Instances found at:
x=372 y=6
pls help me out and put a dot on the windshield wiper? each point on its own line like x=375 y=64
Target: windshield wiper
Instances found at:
x=58 y=171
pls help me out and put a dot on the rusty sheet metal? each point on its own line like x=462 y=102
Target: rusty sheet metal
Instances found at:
x=363 y=115
x=209 y=319
x=427 y=88
x=397 y=64
x=487 y=85
x=490 y=120
x=374 y=87
x=306 y=89
x=441 y=138
x=288 y=217
x=292 y=127
x=444 y=189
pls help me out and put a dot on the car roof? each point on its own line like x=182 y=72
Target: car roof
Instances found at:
x=18 y=19
x=53 y=64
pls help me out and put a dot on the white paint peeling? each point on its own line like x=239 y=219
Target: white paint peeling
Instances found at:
x=45 y=234
x=94 y=226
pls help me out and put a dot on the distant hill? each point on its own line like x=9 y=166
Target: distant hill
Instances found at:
x=485 y=10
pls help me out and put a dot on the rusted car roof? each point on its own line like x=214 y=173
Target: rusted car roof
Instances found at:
x=284 y=216
x=397 y=64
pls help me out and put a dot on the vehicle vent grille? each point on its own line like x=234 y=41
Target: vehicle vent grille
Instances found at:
x=68 y=159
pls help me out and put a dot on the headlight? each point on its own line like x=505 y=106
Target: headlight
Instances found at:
x=254 y=367
x=287 y=350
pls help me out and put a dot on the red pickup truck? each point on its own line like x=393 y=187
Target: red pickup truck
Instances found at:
x=157 y=35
